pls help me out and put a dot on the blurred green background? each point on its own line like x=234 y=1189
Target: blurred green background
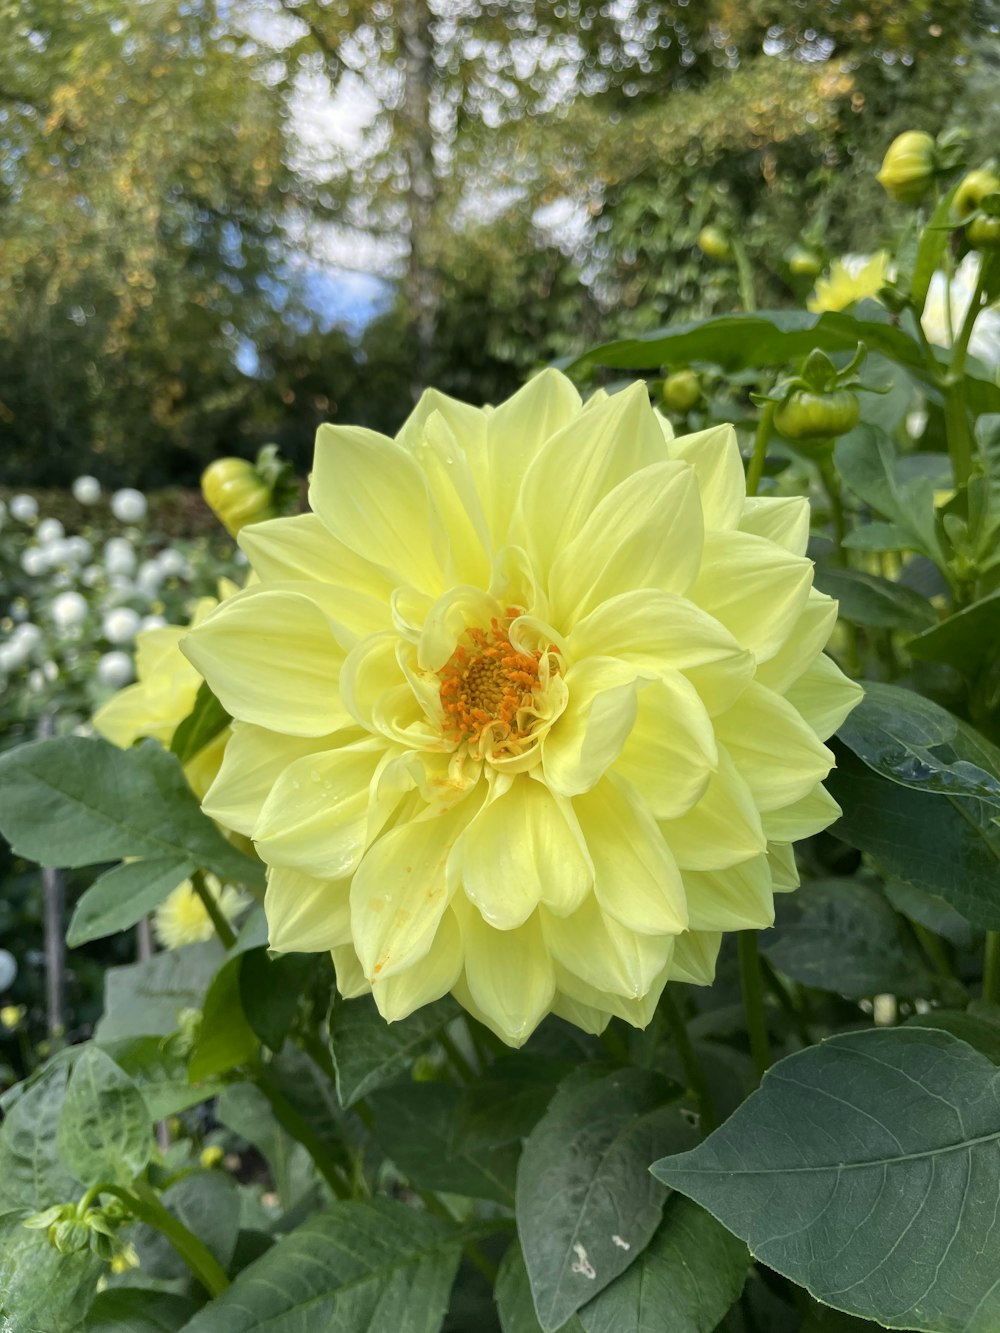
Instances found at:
x=226 y=221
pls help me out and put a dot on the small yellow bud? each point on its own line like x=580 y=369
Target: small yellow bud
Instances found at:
x=973 y=189
x=908 y=167
x=236 y=494
x=680 y=391
x=714 y=243
x=211 y=1156
x=11 y=1015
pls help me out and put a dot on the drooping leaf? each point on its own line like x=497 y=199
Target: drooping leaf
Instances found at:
x=105 y=1129
x=586 y=1203
x=206 y=719
x=146 y=999
x=225 y=1038
x=270 y=989
x=866 y=1170
x=931 y=910
x=868 y=599
x=369 y=1052
x=378 y=1267
x=122 y=896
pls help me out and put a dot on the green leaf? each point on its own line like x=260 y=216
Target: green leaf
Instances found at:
x=378 y=1267
x=270 y=990
x=778 y=338
x=201 y=726
x=122 y=896
x=867 y=599
x=945 y=845
x=105 y=1129
x=841 y=935
x=41 y=1290
x=878 y=537
x=969 y=640
x=417 y=1126
x=225 y=1038
x=868 y=465
x=692 y=1268
x=916 y=742
x=369 y=1052
x=979 y=1033
x=513 y=1297
x=74 y=801
x=136 y=1310
x=158 y=1068
x=244 y=1109
x=145 y=999
x=866 y=1169
x=208 y=1204
x=31 y=1175
x=586 y=1204
x=931 y=910
x=934 y=239
x=508 y=1101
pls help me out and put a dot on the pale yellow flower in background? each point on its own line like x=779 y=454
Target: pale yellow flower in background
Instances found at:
x=529 y=709
x=182 y=919
x=852 y=278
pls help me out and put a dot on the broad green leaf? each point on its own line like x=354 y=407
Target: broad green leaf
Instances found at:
x=867 y=463
x=122 y=896
x=74 y=801
x=136 y=1310
x=244 y=1109
x=369 y=1052
x=513 y=1297
x=779 y=338
x=867 y=599
x=41 y=1290
x=878 y=537
x=147 y=998
x=105 y=1129
x=947 y=845
x=206 y=719
x=225 y=1038
x=586 y=1203
x=916 y=742
x=379 y=1267
x=867 y=1170
x=969 y=640
x=931 y=910
x=311 y=1095
x=32 y=1177
x=208 y=1204
x=691 y=1271
x=841 y=935
x=158 y=1068
x=417 y=1126
x=982 y=1035
x=507 y=1102
x=270 y=990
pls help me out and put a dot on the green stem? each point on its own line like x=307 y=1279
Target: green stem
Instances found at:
x=692 y=1066
x=780 y=992
x=211 y=906
x=756 y=468
x=956 y=417
x=300 y=1130
x=753 y=1000
x=933 y=946
x=144 y=1204
x=744 y=276
x=459 y=1063
x=991 y=968
x=838 y=513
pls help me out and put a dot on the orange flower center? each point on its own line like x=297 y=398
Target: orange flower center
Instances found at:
x=487 y=684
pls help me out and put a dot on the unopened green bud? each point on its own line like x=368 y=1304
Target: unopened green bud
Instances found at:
x=908 y=167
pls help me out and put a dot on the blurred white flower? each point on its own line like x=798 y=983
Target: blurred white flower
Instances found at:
x=49 y=531
x=149 y=578
x=36 y=680
x=86 y=490
x=985 y=341
x=50 y=670
x=28 y=635
x=24 y=508
x=19 y=609
x=69 y=610
x=121 y=625
x=172 y=564
x=92 y=576
x=119 y=556
x=8 y=969
x=153 y=622
x=35 y=561
x=12 y=656
x=128 y=505
x=115 y=669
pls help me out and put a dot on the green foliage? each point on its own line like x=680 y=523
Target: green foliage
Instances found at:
x=104 y=1125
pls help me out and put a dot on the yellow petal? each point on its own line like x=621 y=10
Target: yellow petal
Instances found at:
x=370 y=670
x=592 y=946
x=319 y=817
x=595 y=724
x=574 y=995
x=467 y=424
x=812 y=814
x=755 y=588
x=802 y=645
x=695 y=955
x=400 y=891
x=283 y=677
x=670 y=753
x=783 y=519
x=784 y=871
x=351 y=980
x=515 y=433
x=715 y=456
x=777 y=754
x=723 y=829
x=523 y=847
x=251 y=763
x=740 y=898
x=824 y=696
x=645 y=533
x=426 y=981
x=453 y=490
x=202 y=770
x=305 y=914
x=373 y=496
x=509 y=975
x=128 y=715
x=637 y=880
x=304 y=548
x=579 y=465
x=583 y=1016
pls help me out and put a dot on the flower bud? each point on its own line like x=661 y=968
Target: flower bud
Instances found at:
x=908 y=167
x=973 y=189
x=808 y=416
x=805 y=263
x=680 y=391
x=714 y=243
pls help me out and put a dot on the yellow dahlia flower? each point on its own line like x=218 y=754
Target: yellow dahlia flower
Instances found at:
x=529 y=708
x=163 y=696
x=181 y=918
x=850 y=279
